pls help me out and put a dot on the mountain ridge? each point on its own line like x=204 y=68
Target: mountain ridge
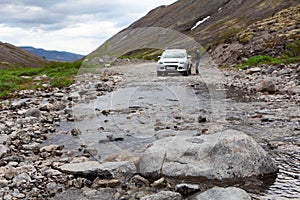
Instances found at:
x=53 y=55
x=222 y=23
x=12 y=56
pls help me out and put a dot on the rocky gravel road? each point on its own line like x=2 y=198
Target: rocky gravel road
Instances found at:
x=127 y=134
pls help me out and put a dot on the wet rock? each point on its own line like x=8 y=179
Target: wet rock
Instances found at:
x=75 y=131
x=216 y=193
x=94 y=168
x=164 y=195
x=224 y=155
x=186 y=189
x=202 y=119
x=33 y=112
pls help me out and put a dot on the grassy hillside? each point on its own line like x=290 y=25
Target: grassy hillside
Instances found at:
x=55 y=74
x=12 y=57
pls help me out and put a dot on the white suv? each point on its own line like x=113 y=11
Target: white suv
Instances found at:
x=174 y=60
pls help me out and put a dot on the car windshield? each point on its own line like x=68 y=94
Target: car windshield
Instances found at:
x=173 y=54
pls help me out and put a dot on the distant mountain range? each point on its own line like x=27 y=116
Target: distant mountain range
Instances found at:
x=52 y=54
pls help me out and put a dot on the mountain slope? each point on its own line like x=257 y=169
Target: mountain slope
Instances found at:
x=270 y=36
x=211 y=23
x=227 y=17
x=53 y=55
x=12 y=56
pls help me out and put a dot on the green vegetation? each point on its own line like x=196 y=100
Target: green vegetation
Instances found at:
x=291 y=54
x=256 y=60
x=58 y=74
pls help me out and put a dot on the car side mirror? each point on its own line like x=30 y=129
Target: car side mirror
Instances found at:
x=159 y=57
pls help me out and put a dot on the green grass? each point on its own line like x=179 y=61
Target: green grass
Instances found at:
x=292 y=50
x=257 y=60
x=60 y=74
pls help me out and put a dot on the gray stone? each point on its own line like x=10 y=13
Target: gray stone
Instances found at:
x=51 y=148
x=94 y=168
x=253 y=70
x=217 y=193
x=164 y=195
x=285 y=71
x=33 y=112
x=19 y=103
x=186 y=189
x=267 y=85
x=225 y=155
x=22 y=178
x=3 y=150
x=3 y=183
x=294 y=90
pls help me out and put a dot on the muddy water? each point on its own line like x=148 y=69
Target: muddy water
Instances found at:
x=122 y=124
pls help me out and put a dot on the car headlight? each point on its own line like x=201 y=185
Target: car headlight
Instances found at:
x=181 y=62
x=160 y=62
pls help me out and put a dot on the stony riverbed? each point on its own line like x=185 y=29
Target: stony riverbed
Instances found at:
x=127 y=134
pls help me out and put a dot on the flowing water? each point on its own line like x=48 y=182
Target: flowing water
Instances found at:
x=122 y=124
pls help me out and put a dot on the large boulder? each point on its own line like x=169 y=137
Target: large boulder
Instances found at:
x=225 y=155
x=216 y=193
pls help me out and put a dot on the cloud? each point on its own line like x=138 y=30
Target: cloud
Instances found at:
x=79 y=26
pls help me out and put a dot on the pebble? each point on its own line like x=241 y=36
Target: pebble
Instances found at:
x=32 y=168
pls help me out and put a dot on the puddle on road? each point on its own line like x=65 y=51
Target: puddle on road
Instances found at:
x=122 y=124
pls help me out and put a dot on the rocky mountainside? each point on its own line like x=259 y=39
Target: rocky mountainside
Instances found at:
x=269 y=36
x=53 y=55
x=215 y=23
x=12 y=56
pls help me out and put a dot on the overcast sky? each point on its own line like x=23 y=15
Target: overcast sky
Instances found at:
x=78 y=26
